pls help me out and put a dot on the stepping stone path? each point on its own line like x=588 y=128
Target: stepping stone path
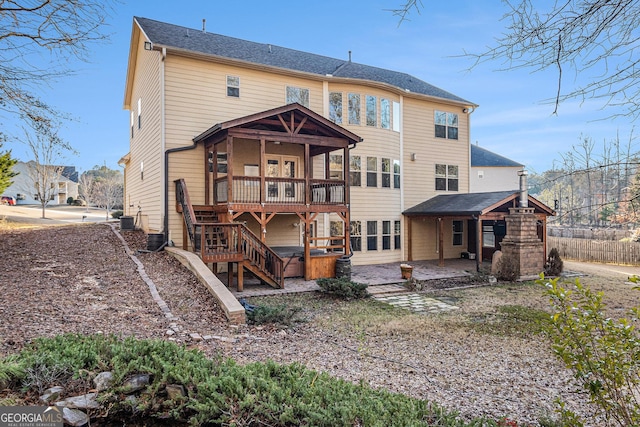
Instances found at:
x=417 y=303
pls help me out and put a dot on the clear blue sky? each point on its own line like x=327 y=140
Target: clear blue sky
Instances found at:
x=512 y=119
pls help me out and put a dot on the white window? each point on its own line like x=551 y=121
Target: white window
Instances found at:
x=356 y=235
x=132 y=121
x=385 y=114
x=446 y=177
x=446 y=125
x=396 y=234
x=372 y=171
x=396 y=174
x=139 y=113
x=386 y=235
x=335 y=107
x=372 y=110
x=233 y=86
x=355 y=171
x=372 y=235
x=396 y=116
x=386 y=173
x=335 y=166
x=354 y=109
x=297 y=94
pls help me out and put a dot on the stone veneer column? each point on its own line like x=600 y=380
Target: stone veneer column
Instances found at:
x=522 y=243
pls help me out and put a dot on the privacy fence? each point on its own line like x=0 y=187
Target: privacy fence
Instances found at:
x=596 y=250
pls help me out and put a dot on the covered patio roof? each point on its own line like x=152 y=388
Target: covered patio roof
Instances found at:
x=474 y=204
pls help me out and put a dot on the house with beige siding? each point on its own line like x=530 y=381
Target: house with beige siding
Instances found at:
x=492 y=172
x=281 y=162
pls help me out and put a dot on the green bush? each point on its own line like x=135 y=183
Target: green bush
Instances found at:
x=554 y=264
x=276 y=314
x=69 y=200
x=219 y=392
x=116 y=214
x=343 y=288
x=603 y=353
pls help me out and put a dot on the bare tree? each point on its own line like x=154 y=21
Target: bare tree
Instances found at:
x=86 y=184
x=597 y=38
x=107 y=188
x=56 y=29
x=47 y=149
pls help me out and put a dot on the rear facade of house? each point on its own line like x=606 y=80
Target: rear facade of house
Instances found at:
x=306 y=151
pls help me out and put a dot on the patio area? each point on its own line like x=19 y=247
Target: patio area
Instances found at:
x=381 y=278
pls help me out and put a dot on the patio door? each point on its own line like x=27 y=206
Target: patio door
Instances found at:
x=281 y=190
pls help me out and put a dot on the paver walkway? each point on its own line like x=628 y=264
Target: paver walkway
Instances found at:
x=417 y=303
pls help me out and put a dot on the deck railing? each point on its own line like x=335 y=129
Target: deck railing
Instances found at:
x=228 y=242
x=248 y=189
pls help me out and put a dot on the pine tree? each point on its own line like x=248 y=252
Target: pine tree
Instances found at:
x=6 y=171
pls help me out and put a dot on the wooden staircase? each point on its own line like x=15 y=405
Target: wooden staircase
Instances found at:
x=228 y=242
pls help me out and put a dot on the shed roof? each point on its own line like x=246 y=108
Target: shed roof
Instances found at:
x=471 y=204
x=483 y=157
x=182 y=38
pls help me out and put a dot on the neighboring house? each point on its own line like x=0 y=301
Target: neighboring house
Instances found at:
x=23 y=185
x=492 y=172
x=262 y=156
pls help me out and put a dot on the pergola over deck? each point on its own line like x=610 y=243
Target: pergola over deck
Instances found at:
x=232 y=193
x=491 y=206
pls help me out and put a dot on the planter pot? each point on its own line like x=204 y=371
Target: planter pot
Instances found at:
x=407 y=271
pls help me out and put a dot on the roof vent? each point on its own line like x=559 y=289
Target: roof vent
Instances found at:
x=270 y=51
x=349 y=56
x=204 y=25
x=187 y=35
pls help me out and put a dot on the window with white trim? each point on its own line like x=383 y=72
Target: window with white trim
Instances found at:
x=335 y=107
x=446 y=124
x=354 y=108
x=297 y=94
x=386 y=235
x=372 y=171
x=396 y=117
x=335 y=166
x=386 y=173
x=233 y=86
x=385 y=114
x=356 y=235
x=355 y=171
x=372 y=235
x=446 y=177
x=372 y=110
x=396 y=235
x=139 y=113
x=396 y=174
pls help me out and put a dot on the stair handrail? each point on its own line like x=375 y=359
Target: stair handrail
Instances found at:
x=182 y=197
x=262 y=255
x=252 y=248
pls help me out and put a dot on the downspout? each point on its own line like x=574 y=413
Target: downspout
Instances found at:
x=403 y=252
x=166 y=152
x=166 y=185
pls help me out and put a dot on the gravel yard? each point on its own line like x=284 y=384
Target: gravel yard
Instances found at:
x=79 y=278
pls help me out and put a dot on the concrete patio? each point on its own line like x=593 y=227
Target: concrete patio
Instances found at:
x=381 y=278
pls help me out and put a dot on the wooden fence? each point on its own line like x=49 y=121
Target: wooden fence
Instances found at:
x=596 y=250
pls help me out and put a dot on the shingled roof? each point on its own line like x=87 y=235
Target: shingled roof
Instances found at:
x=187 y=39
x=483 y=157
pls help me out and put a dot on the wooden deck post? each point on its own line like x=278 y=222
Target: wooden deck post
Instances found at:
x=240 y=276
x=440 y=243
